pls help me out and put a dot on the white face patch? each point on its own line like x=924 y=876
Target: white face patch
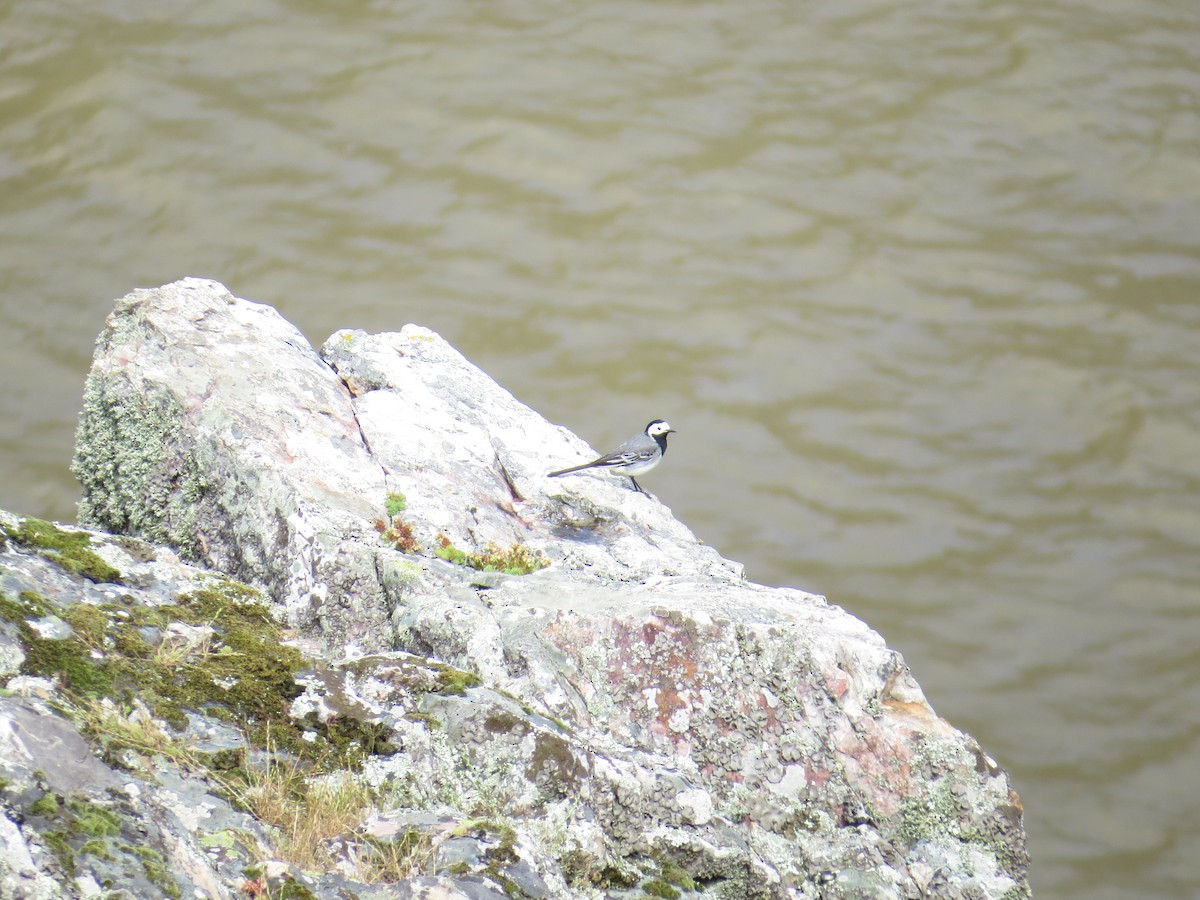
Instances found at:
x=658 y=428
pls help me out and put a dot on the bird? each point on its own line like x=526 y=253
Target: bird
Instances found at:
x=636 y=456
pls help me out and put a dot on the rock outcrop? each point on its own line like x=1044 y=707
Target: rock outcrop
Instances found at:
x=518 y=686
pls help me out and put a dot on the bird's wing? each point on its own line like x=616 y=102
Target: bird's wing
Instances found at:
x=625 y=457
x=620 y=457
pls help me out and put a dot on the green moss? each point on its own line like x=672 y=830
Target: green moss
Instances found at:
x=430 y=722
x=225 y=839
x=57 y=843
x=657 y=887
x=498 y=857
x=227 y=760
x=45 y=805
x=155 y=867
x=506 y=835
x=251 y=671
x=90 y=623
x=93 y=820
x=28 y=606
x=1018 y=892
x=128 y=641
x=11 y=610
x=84 y=828
x=455 y=681
x=290 y=889
x=351 y=740
x=617 y=876
x=675 y=874
x=395 y=530
x=67 y=659
x=237 y=668
x=243 y=675
x=96 y=847
x=516 y=560
x=447 y=551
x=506 y=884
x=70 y=549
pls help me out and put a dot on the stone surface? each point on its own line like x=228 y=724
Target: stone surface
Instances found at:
x=635 y=716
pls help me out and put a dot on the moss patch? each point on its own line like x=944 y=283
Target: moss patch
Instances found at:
x=66 y=659
x=215 y=652
x=395 y=530
x=75 y=827
x=351 y=740
x=90 y=624
x=245 y=675
x=657 y=887
x=24 y=607
x=455 y=681
x=515 y=560
x=63 y=852
x=70 y=549
x=45 y=805
x=238 y=669
x=677 y=875
x=155 y=867
x=582 y=869
x=93 y=820
x=398 y=533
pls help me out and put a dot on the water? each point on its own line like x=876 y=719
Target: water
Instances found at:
x=918 y=285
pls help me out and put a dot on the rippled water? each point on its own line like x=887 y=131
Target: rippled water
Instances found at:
x=918 y=284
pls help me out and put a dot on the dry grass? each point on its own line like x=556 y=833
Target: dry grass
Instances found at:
x=389 y=861
x=135 y=730
x=308 y=811
x=316 y=817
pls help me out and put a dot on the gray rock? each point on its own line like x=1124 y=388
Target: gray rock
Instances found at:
x=634 y=714
x=20 y=877
x=29 y=733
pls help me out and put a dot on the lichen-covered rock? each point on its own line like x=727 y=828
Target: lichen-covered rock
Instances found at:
x=182 y=392
x=632 y=717
x=160 y=738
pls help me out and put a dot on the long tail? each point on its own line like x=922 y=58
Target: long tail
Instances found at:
x=586 y=465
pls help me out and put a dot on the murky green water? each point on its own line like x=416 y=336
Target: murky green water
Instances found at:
x=918 y=284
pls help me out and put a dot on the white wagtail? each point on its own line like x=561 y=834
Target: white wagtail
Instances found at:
x=639 y=454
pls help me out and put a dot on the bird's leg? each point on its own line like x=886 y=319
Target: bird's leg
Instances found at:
x=637 y=487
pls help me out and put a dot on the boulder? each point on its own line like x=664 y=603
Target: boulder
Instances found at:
x=554 y=689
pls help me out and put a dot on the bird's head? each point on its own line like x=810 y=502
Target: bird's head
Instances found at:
x=659 y=428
